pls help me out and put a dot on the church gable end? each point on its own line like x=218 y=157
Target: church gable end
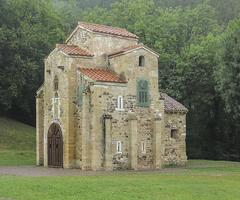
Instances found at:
x=101 y=92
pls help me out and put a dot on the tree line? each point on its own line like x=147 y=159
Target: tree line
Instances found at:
x=198 y=42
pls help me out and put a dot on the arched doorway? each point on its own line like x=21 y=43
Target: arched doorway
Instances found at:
x=55 y=146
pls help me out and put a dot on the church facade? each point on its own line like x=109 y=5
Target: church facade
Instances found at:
x=100 y=108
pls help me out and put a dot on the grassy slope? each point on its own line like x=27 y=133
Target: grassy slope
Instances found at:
x=17 y=143
x=201 y=180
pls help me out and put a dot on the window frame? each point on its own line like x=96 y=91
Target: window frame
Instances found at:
x=120 y=103
x=141 y=61
x=174 y=133
x=143 y=93
x=143 y=147
x=119 y=146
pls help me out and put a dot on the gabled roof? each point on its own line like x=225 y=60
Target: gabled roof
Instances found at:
x=73 y=50
x=99 y=28
x=130 y=49
x=171 y=105
x=102 y=75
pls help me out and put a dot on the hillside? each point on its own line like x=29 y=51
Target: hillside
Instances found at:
x=17 y=143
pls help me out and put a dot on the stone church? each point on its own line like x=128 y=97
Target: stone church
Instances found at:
x=100 y=108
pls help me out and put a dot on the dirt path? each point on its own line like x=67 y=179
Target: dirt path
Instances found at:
x=42 y=171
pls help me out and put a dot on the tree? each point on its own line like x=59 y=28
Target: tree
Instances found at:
x=228 y=78
x=228 y=73
x=28 y=31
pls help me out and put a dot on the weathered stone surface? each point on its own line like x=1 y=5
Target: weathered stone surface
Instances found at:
x=91 y=123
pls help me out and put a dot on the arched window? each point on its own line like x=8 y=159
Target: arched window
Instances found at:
x=56 y=106
x=120 y=103
x=55 y=83
x=141 y=61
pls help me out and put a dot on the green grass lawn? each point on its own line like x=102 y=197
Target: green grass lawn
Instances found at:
x=200 y=180
x=17 y=143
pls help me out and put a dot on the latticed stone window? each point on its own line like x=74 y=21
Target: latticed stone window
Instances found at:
x=143 y=93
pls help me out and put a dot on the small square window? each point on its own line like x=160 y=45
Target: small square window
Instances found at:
x=174 y=133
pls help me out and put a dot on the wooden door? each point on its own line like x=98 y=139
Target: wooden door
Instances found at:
x=55 y=146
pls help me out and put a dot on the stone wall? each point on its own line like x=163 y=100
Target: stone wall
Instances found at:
x=120 y=125
x=40 y=127
x=91 y=131
x=100 y=43
x=65 y=68
x=175 y=148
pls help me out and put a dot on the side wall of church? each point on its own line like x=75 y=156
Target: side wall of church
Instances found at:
x=175 y=146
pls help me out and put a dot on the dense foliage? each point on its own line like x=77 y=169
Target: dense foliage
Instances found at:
x=198 y=42
x=28 y=30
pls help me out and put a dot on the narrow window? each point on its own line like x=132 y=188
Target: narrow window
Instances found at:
x=143 y=93
x=120 y=103
x=55 y=83
x=143 y=146
x=174 y=133
x=119 y=147
x=56 y=106
x=141 y=61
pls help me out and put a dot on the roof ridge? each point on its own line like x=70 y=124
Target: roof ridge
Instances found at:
x=101 y=74
x=104 y=25
x=132 y=47
x=172 y=105
x=73 y=50
x=107 y=29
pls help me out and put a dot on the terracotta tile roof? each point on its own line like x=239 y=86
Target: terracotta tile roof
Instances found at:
x=102 y=75
x=73 y=50
x=126 y=49
x=99 y=28
x=171 y=105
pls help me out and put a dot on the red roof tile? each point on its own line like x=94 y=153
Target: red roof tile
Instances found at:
x=73 y=50
x=102 y=75
x=129 y=48
x=124 y=50
x=171 y=105
x=107 y=29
